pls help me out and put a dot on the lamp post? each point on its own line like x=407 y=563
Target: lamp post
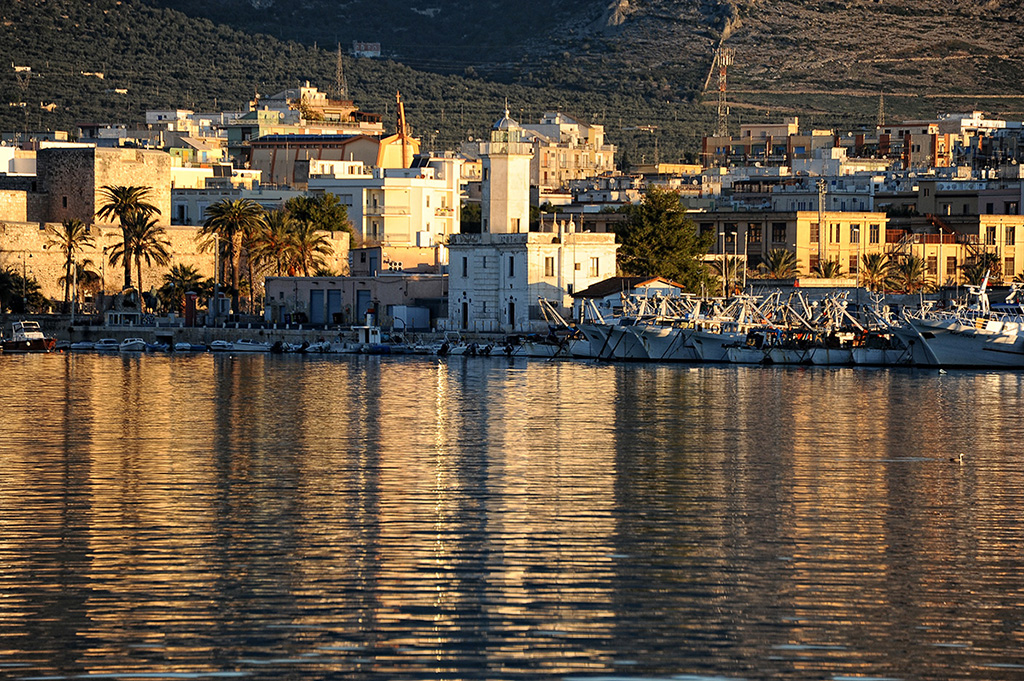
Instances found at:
x=734 y=235
x=723 y=265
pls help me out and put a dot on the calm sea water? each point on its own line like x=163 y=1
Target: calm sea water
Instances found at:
x=484 y=518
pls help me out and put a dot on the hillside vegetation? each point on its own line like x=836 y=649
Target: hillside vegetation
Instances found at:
x=627 y=64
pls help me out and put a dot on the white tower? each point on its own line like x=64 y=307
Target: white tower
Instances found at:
x=506 y=180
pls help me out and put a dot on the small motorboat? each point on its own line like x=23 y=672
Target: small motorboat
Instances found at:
x=249 y=345
x=132 y=345
x=82 y=346
x=220 y=346
x=107 y=345
x=157 y=347
x=188 y=347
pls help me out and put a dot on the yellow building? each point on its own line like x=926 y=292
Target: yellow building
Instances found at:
x=945 y=245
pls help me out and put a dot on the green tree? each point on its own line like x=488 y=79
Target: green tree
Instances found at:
x=87 y=278
x=177 y=282
x=470 y=218
x=779 y=264
x=908 y=274
x=17 y=293
x=984 y=263
x=731 y=271
x=827 y=269
x=273 y=247
x=310 y=247
x=123 y=202
x=874 y=271
x=325 y=212
x=231 y=222
x=69 y=238
x=657 y=239
x=148 y=243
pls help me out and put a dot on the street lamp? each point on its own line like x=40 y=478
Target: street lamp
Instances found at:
x=723 y=265
x=735 y=246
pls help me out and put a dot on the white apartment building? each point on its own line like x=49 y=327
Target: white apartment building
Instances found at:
x=417 y=206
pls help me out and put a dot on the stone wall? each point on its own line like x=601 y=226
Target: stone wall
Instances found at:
x=23 y=246
x=13 y=205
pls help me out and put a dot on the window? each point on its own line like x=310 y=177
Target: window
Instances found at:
x=1011 y=236
x=990 y=208
x=487 y=174
x=1008 y=268
x=1012 y=208
x=779 y=232
x=950 y=264
x=64 y=201
x=706 y=227
x=753 y=233
x=511 y=265
x=874 y=233
x=515 y=225
x=595 y=267
x=833 y=234
x=933 y=265
x=853 y=264
x=549 y=267
x=428 y=200
x=990 y=235
x=854 y=234
x=813 y=260
x=465 y=267
x=815 y=232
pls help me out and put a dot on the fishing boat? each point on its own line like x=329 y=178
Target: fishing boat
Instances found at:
x=26 y=337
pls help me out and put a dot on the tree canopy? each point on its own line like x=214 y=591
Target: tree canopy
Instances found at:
x=658 y=239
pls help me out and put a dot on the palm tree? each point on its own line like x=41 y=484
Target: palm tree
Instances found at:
x=827 y=269
x=909 y=274
x=273 y=244
x=148 y=243
x=874 y=271
x=979 y=266
x=310 y=246
x=70 y=238
x=177 y=282
x=122 y=202
x=232 y=222
x=731 y=270
x=779 y=264
x=86 y=277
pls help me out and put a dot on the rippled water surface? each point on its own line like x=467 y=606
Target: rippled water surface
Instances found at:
x=472 y=518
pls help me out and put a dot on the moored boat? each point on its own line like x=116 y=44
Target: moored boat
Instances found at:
x=132 y=345
x=107 y=345
x=27 y=336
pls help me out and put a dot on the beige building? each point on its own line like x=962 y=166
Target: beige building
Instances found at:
x=346 y=300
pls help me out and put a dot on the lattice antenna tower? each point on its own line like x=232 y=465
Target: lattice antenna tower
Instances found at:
x=340 y=86
x=723 y=59
x=881 y=110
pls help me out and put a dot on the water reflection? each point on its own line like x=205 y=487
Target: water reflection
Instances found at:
x=491 y=518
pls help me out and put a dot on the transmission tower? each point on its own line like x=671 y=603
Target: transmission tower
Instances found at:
x=881 y=110
x=340 y=87
x=723 y=59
